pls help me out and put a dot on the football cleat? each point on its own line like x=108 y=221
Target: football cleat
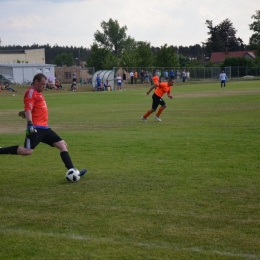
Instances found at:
x=82 y=172
x=144 y=119
x=158 y=118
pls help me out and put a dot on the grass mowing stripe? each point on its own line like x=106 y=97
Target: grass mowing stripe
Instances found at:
x=127 y=242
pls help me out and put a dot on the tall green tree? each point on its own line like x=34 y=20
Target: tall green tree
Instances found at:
x=113 y=37
x=183 y=61
x=98 y=57
x=166 y=57
x=128 y=57
x=144 y=55
x=110 y=61
x=214 y=42
x=222 y=38
x=64 y=59
x=227 y=34
x=255 y=27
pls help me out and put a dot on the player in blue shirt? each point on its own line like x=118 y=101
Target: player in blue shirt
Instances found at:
x=171 y=74
x=98 y=81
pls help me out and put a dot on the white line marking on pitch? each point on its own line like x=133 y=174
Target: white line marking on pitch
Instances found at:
x=148 y=245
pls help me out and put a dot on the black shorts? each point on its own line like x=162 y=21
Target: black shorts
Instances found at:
x=157 y=101
x=46 y=136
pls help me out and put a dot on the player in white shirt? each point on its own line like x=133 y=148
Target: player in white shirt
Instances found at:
x=119 y=82
x=223 y=78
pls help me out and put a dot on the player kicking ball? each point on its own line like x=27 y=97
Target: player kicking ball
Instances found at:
x=38 y=130
x=160 y=90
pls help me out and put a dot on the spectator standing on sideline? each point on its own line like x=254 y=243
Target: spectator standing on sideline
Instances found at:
x=188 y=76
x=119 y=82
x=124 y=78
x=135 y=76
x=150 y=77
x=172 y=74
x=132 y=77
x=178 y=75
x=160 y=90
x=98 y=81
x=146 y=77
x=74 y=76
x=166 y=75
x=159 y=75
x=38 y=130
x=183 y=76
x=223 y=78
x=142 y=76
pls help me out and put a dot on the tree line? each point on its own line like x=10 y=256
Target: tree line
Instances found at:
x=112 y=47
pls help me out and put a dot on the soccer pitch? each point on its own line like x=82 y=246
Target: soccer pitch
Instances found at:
x=184 y=188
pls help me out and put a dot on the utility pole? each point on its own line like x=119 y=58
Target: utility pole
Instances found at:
x=79 y=56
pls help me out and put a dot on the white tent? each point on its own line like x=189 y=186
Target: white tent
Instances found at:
x=104 y=75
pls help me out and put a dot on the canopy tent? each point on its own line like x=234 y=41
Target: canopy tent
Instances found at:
x=104 y=76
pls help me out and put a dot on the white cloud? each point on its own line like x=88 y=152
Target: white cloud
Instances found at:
x=68 y=22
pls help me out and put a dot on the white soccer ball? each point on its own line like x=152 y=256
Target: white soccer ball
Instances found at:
x=72 y=175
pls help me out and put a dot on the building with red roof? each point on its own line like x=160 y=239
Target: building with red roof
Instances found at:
x=218 y=57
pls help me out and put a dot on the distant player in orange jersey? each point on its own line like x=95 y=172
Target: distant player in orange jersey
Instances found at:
x=155 y=79
x=160 y=90
x=38 y=130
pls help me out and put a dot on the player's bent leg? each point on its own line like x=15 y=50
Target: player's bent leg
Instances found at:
x=157 y=116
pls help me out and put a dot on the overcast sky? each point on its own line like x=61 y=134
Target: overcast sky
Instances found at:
x=73 y=22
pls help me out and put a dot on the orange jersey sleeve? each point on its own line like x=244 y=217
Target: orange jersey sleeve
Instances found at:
x=35 y=102
x=162 y=89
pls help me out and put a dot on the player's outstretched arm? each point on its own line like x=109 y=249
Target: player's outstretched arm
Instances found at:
x=151 y=88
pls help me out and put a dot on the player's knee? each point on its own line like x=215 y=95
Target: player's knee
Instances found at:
x=62 y=145
x=24 y=151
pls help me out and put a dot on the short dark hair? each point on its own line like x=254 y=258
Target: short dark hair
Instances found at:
x=38 y=77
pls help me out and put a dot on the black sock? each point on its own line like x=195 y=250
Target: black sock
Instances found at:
x=9 y=150
x=66 y=159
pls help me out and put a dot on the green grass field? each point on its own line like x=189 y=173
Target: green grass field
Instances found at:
x=184 y=188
